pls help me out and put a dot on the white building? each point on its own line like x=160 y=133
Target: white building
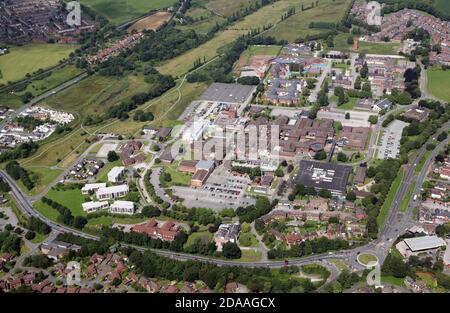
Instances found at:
x=195 y=131
x=113 y=192
x=115 y=175
x=416 y=245
x=122 y=207
x=93 y=206
x=92 y=187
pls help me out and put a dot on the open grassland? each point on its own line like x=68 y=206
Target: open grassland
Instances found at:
x=443 y=5
x=30 y=58
x=121 y=11
x=223 y=8
x=438 y=83
x=152 y=22
x=98 y=222
x=44 y=176
x=39 y=86
x=10 y=100
x=165 y=108
x=72 y=199
x=270 y=14
x=207 y=51
x=96 y=94
x=340 y=43
x=297 y=25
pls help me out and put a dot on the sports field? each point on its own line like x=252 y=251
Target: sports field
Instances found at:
x=30 y=58
x=122 y=11
x=438 y=82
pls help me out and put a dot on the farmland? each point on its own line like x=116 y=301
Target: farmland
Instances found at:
x=30 y=58
x=152 y=22
x=327 y=11
x=121 y=11
x=438 y=82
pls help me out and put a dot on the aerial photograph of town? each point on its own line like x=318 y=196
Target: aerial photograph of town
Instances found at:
x=231 y=147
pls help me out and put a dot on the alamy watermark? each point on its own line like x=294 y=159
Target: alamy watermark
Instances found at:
x=74 y=16
x=374 y=15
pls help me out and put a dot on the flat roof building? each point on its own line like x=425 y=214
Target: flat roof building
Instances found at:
x=333 y=177
x=228 y=93
x=112 y=192
x=91 y=187
x=93 y=206
x=122 y=207
x=115 y=175
x=424 y=243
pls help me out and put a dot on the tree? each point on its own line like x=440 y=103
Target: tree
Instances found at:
x=248 y=80
x=325 y=193
x=373 y=119
x=364 y=70
x=347 y=115
x=342 y=157
x=320 y=155
x=112 y=156
x=279 y=172
x=351 y=196
x=230 y=250
x=151 y=211
x=442 y=136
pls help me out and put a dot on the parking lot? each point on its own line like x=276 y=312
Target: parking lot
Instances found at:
x=222 y=190
x=390 y=142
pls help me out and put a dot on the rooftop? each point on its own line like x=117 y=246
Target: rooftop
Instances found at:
x=231 y=93
x=424 y=243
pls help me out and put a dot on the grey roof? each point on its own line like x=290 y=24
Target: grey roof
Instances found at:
x=335 y=176
x=424 y=243
x=231 y=93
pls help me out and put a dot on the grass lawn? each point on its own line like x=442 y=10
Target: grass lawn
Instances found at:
x=69 y=198
x=30 y=58
x=248 y=240
x=44 y=177
x=297 y=25
x=121 y=11
x=365 y=258
x=438 y=82
x=250 y=256
x=110 y=220
x=405 y=200
x=11 y=101
x=390 y=197
x=392 y=280
x=349 y=105
x=428 y=279
x=340 y=43
x=178 y=178
x=39 y=238
x=38 y=87
x=422 y=161
x=46 y=210
x=206 y=236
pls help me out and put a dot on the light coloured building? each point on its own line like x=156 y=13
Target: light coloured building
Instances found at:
x=94 y=206
x=418 y=245
x=113 y=192
x=92 y=187
x=122 y=207
x=226 y=233
x=115 y=175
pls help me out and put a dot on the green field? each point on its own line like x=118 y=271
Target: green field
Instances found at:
x=30 y=58
x=205 y=236
x=297 y=25
x=438 y=82
x=270 y=14
x=390 y=197
x=178 y=178
x=44 y=176
x=390 y=48
x=366 y=258
x=102 y=175
x=443 y=5
x=69 y=198
x=349 y=105
x=110 y=220
x=121 y=11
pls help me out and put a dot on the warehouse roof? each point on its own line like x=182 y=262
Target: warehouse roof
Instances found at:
x=424 y=243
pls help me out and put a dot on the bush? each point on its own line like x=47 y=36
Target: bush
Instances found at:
x=30 y=235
